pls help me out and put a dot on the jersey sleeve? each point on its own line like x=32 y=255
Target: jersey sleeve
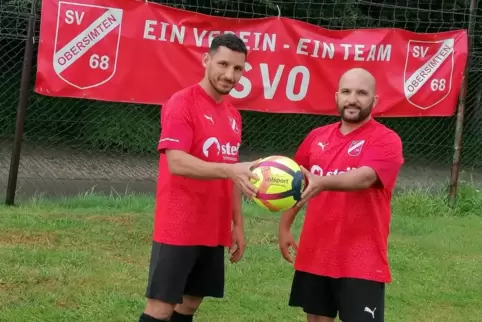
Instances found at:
x=385 y=157
x=302 y=155
x=176 y=126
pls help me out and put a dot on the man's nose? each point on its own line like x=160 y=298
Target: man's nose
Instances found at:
x=229 y=74
x=352 y=98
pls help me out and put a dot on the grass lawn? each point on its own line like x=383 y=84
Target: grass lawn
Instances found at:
x=86 y=259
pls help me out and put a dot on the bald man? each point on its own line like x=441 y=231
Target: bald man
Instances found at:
x=341 y=265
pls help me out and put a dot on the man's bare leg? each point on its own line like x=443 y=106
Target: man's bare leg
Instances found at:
x=159 y=310
x=168 y=312
x=318 y=318
x=185 y=311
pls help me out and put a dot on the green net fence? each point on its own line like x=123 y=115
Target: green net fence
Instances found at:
x=73 y=144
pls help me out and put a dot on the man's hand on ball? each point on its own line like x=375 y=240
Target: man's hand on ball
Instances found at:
x=313 y=188
x=241 y=173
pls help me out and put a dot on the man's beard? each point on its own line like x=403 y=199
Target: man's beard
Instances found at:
x=363 y=113
x=219 y=91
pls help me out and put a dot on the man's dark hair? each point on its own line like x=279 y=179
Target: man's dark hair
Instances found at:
x=229 y=41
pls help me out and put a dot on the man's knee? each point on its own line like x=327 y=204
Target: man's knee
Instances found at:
x=189 y=305
x=159 y=309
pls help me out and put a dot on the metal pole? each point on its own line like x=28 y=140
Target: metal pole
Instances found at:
x=455 y=171
x=22 y=108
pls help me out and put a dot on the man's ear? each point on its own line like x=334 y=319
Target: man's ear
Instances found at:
x=205 y=59
x=375 y=100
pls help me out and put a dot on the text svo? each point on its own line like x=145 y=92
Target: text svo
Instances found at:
x=296 y=81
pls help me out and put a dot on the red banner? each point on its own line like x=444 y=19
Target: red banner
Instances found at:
x=139 y=52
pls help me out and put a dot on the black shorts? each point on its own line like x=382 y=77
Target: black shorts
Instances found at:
x=185 y=270
x=354 y=300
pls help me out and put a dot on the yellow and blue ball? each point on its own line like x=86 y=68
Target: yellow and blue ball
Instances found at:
x=280 y=183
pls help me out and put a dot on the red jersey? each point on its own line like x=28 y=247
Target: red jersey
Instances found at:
x=192 y=211
x=345 y=234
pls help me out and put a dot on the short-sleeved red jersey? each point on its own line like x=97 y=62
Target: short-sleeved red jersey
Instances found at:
x=193 y=211
x=345 y=234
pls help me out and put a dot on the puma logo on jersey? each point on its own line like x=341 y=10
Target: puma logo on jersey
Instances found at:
x=209 y=117
x=370 y=311
x=320 y=144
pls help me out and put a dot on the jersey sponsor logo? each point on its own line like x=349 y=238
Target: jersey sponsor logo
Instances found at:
x=212 y=147
x=317 y=170
x=428 y=72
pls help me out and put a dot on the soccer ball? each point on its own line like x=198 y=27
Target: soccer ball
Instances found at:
x=280 y=183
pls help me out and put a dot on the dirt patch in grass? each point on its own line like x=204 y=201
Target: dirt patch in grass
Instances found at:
x=6 y=287
x=66 y=304
x=120 y=219
x=20 y=237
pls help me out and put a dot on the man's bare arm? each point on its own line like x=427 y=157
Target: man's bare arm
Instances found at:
x=361 y=178
x=358 y=179
x=285 y=239
x=287 y=218
x=183 y=164
x=237 y=207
